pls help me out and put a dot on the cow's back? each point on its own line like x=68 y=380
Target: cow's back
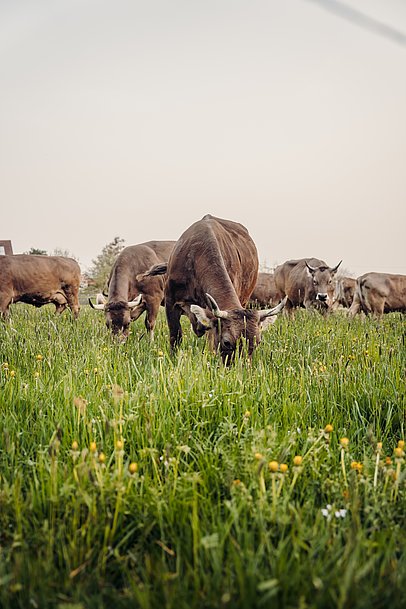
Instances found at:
x=27 y=271
x=382 y=292
x=216 y=256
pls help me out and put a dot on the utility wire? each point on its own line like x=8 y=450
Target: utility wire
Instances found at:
x=362 y=20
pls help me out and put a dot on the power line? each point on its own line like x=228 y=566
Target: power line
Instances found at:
x=362 y=20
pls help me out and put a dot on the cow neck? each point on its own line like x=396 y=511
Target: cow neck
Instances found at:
x=119 y=286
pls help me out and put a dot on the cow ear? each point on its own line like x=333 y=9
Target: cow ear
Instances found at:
x=267 y=322
x=202 y=317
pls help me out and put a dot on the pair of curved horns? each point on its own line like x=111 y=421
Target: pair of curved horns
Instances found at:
x=313 y=269
x=274 y=311
x=101 y=306
x=262 y=314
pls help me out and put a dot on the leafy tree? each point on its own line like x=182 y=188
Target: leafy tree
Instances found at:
x=58 y=251
x=101 y=266
x=37 y=252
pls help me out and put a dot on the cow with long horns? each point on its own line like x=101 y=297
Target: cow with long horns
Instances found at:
x=211 y=273
x=129 y=294
x=307 y=282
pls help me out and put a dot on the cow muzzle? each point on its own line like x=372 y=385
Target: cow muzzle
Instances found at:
x=322 y=297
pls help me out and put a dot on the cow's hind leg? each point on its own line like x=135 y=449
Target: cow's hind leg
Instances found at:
x=72 y=301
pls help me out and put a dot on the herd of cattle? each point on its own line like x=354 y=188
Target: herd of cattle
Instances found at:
x=210 y=275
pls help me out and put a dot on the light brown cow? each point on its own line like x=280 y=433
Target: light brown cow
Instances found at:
x=129 y=294
x=343 y=292
x=306 y=282
x=39 y=280
x=265 y=293
x=210 y=276
x=378 y=293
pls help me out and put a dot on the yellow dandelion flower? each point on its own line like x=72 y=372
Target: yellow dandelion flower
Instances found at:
x=398 y=452
x=133 y=468
x=344 y=442
x=258 y=456
x=36 y=374
x=75 y=445
x=12 y=373
x=401 y=444
x=102 y=458
x=273 y=466
x=247 y=414
x=160 y=353
x=388 y=461
x=297 y=460
x=283 y=468
x=119 y=445
x=39 y=357
x=328 y=428
x=93 y=447
x=379 y=447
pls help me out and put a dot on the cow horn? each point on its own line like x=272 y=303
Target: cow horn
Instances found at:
x=134 y=303
x=336 y=267
x=312 y=269
x=215 y=308
x=268 y=312
x=97 y=307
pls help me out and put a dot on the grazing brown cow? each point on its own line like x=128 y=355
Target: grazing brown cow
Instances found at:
x=265 y=292
x=210 y=276
x=378 y=293
x=129 y=294
x=39 y=280
x=343 y=293
x=306 y=283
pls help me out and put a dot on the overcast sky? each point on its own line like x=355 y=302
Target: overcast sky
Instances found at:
x=135 y=118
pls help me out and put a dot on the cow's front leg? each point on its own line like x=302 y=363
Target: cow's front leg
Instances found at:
x=173 y=314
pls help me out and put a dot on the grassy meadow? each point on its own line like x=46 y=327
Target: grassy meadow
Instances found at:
x=129 y=478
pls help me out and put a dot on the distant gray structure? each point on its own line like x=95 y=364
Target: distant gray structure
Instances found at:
x=6 y=249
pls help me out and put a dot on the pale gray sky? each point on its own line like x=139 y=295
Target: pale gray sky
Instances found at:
x=135 y=118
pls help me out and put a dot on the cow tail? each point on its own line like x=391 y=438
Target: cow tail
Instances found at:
x=158 y=269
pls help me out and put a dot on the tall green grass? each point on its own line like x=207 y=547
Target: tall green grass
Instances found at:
x=129 y=478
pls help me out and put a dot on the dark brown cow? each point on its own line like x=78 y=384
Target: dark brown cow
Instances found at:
x=265 y=293
x=343 y=293
x=210 y=276
x=378 y=293
x=39 y=280
x=129 y=294
x=306 y=282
